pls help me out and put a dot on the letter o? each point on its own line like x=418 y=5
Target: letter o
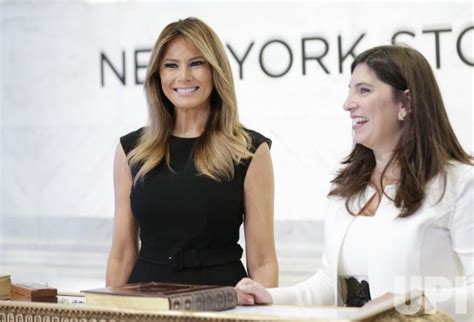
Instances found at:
x=264 y=69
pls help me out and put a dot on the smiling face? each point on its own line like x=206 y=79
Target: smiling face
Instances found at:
x=186 y=77
x=374 y=110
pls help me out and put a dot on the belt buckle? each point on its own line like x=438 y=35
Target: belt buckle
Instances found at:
x=176 y=259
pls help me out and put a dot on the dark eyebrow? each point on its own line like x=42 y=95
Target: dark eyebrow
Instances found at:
x=363 y=84
x=197 y=57
x=172 y=60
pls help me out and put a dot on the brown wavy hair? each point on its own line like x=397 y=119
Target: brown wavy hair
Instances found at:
x=224 y=142
x=427 y=141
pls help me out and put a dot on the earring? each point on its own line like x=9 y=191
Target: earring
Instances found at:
x=401 y=116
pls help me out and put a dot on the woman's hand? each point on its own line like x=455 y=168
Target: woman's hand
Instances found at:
x=250 y=292
x=421 y=304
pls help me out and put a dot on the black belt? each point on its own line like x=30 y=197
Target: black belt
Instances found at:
x=358 y=293
x=178 y=258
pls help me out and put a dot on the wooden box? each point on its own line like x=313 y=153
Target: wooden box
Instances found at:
x=32 y=292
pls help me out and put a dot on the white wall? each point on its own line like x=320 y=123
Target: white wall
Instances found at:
x=59 y=125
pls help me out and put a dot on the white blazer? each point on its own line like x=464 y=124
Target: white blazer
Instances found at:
x=432 y=248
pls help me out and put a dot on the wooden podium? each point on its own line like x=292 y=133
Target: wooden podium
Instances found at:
x=13 y=311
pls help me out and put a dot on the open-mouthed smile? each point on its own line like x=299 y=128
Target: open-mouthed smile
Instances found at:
x=186 y=90
x=358 y=122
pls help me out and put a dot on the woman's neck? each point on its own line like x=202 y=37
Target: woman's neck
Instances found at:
x=392 y=172
x=190 y=123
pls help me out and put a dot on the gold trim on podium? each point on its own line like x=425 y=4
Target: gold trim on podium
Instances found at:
x=16 y=311
x=13 y=311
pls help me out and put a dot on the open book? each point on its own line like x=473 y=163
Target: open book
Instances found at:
x=164 y=296
x=375 y=307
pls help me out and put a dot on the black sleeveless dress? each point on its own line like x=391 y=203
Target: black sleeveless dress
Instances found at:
x=189 y=224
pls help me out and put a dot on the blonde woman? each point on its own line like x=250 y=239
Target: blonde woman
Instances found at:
x=186 y=182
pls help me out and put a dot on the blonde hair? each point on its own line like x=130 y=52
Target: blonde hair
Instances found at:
x=224 y=142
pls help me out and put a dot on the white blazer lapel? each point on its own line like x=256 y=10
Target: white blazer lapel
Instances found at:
x=337 y=225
